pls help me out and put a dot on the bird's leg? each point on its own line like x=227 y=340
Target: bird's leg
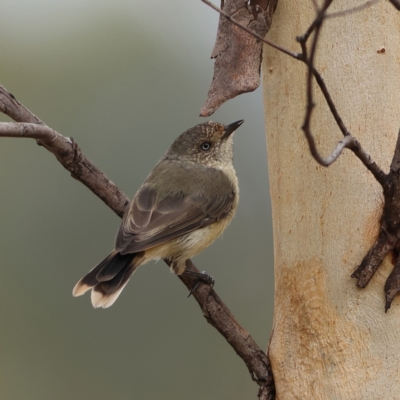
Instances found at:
x=200 y=276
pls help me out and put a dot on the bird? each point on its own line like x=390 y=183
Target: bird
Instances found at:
x=185 y=203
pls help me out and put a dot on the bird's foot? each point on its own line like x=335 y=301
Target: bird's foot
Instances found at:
x=201 y=277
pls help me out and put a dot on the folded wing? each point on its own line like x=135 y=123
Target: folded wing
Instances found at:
x=153 y=219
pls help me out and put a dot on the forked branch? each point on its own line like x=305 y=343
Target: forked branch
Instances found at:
x=71 y=157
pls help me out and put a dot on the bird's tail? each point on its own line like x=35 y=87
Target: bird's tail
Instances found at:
x=108 y=278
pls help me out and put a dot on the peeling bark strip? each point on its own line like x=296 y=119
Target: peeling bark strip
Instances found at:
x=238 y=54
x=71 y=157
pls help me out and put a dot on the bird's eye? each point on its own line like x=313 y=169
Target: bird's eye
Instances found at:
x=206 y=146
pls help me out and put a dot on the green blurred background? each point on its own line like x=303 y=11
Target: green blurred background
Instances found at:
x=123 y=78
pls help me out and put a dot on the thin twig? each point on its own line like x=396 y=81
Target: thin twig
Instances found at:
x=266 y=41
x=317 y=24
x=349 y=141
x=326 y=162
x=68 y=154
x=353 y=10
x=302 y=39
x=367 y=160
x=312 y=71
x=317 y=21
x=328 y=98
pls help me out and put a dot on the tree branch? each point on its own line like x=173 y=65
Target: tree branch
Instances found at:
x=71 y=157
x=219 y=316
x=349 y=141
x=66 y=151
x=42 y=133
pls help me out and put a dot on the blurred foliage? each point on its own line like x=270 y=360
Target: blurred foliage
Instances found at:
x=123 y=79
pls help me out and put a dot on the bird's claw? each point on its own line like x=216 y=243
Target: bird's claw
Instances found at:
x=201 y=277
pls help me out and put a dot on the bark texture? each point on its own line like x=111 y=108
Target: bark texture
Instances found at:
x=330 y=339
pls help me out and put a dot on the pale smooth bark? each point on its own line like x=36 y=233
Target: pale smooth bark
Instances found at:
x=330 y=339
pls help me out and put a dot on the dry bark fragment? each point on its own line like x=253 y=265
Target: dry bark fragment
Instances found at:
x=238 y=54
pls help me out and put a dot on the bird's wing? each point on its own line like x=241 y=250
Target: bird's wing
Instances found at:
x=151 y=220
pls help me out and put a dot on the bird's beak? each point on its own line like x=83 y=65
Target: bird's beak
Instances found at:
x=229 y=129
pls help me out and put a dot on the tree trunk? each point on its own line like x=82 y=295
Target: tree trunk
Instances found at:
x=330 y=339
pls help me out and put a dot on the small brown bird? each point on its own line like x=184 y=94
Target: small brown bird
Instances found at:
x=185 y=203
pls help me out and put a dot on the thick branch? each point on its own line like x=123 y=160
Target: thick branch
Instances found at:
x=392 y=285
x=82 y=169
x=372 y=261
x=220 y=317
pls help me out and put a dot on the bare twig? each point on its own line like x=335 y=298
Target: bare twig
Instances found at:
x=326 y=162
x=353 y=10
x=349 y=141
x=316 y=25
x=82 y=169
x=67 y=153
x=317 y=21
x=367 y=160
x=328 y=98
x=42 y=133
